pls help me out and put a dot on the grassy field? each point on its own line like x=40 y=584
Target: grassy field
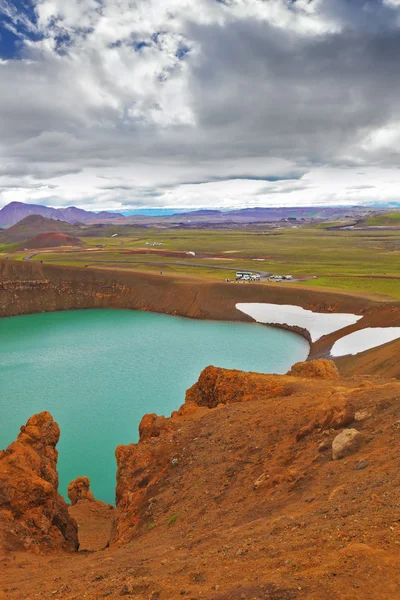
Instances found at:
x=388 y=219
x=7 y=248
x=358 y=261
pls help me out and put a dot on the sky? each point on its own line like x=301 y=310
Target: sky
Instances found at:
x=118 y=104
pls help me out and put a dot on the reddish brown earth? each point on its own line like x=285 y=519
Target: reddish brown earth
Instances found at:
x=94 y=520
x=237 y=496
x=52 y=240
x=382 y=361
x=93 y=516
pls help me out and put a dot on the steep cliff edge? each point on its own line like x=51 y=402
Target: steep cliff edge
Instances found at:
x=33 y=515
x=244 y=479
x=30 y=287
x=258 y=487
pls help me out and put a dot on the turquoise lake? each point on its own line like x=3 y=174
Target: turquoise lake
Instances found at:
x=99 y=371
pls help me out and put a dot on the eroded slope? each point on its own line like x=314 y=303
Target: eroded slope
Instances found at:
x=237 y=496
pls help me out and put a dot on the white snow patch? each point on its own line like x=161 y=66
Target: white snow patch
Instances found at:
x=364 y=339
x=318 y=324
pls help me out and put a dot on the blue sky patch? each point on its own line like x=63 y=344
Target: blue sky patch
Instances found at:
x=13 y=30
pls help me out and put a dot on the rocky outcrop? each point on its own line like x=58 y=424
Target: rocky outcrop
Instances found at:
x=142 y=466
x=272 y=430
x=229 y=490
x=33 y=514
x=79 y=489
x=139 y=468
x=325 y=369
x=222 y=386
x=152 y=425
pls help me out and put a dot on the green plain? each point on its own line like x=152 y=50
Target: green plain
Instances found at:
x=358 y=261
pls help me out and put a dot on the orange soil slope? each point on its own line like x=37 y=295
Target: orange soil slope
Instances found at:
x=237 y=496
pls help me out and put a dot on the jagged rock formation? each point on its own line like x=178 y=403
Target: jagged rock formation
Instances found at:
x=79 y=489
x=237 y=496
x=32 y=512
x=295 y=419
x=151 y=426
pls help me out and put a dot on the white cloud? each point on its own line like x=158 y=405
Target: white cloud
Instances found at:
x=154 y=95
x=392 y=2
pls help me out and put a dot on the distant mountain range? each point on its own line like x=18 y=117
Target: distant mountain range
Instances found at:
x=199 y=218
x=244 y=216
x=253 y=218
x=291 y=212
x=15 y=211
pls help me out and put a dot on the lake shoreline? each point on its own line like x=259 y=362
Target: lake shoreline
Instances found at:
x=32 y=287
x=123 y=362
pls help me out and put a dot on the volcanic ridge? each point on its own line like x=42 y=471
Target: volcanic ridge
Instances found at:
x=258 y=487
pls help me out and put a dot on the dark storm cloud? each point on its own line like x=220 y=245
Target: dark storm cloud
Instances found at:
x=260 y=90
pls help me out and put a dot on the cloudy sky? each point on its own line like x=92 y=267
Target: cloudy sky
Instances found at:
x=112 y=104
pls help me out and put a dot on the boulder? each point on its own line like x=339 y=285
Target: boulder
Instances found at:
x=33 y=514
x=79 y=489
x=345 y=443
x=321 y=368
x=151 y=426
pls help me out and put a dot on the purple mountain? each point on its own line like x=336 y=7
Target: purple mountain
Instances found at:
x=15 y=211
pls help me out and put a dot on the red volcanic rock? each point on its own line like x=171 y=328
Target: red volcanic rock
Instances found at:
x=79 y=489
x=236 y=431
x=51 y=240
x=140 y=467
x=325 y=369
x=33 y=514
x=222 y=386
x=151 y=426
